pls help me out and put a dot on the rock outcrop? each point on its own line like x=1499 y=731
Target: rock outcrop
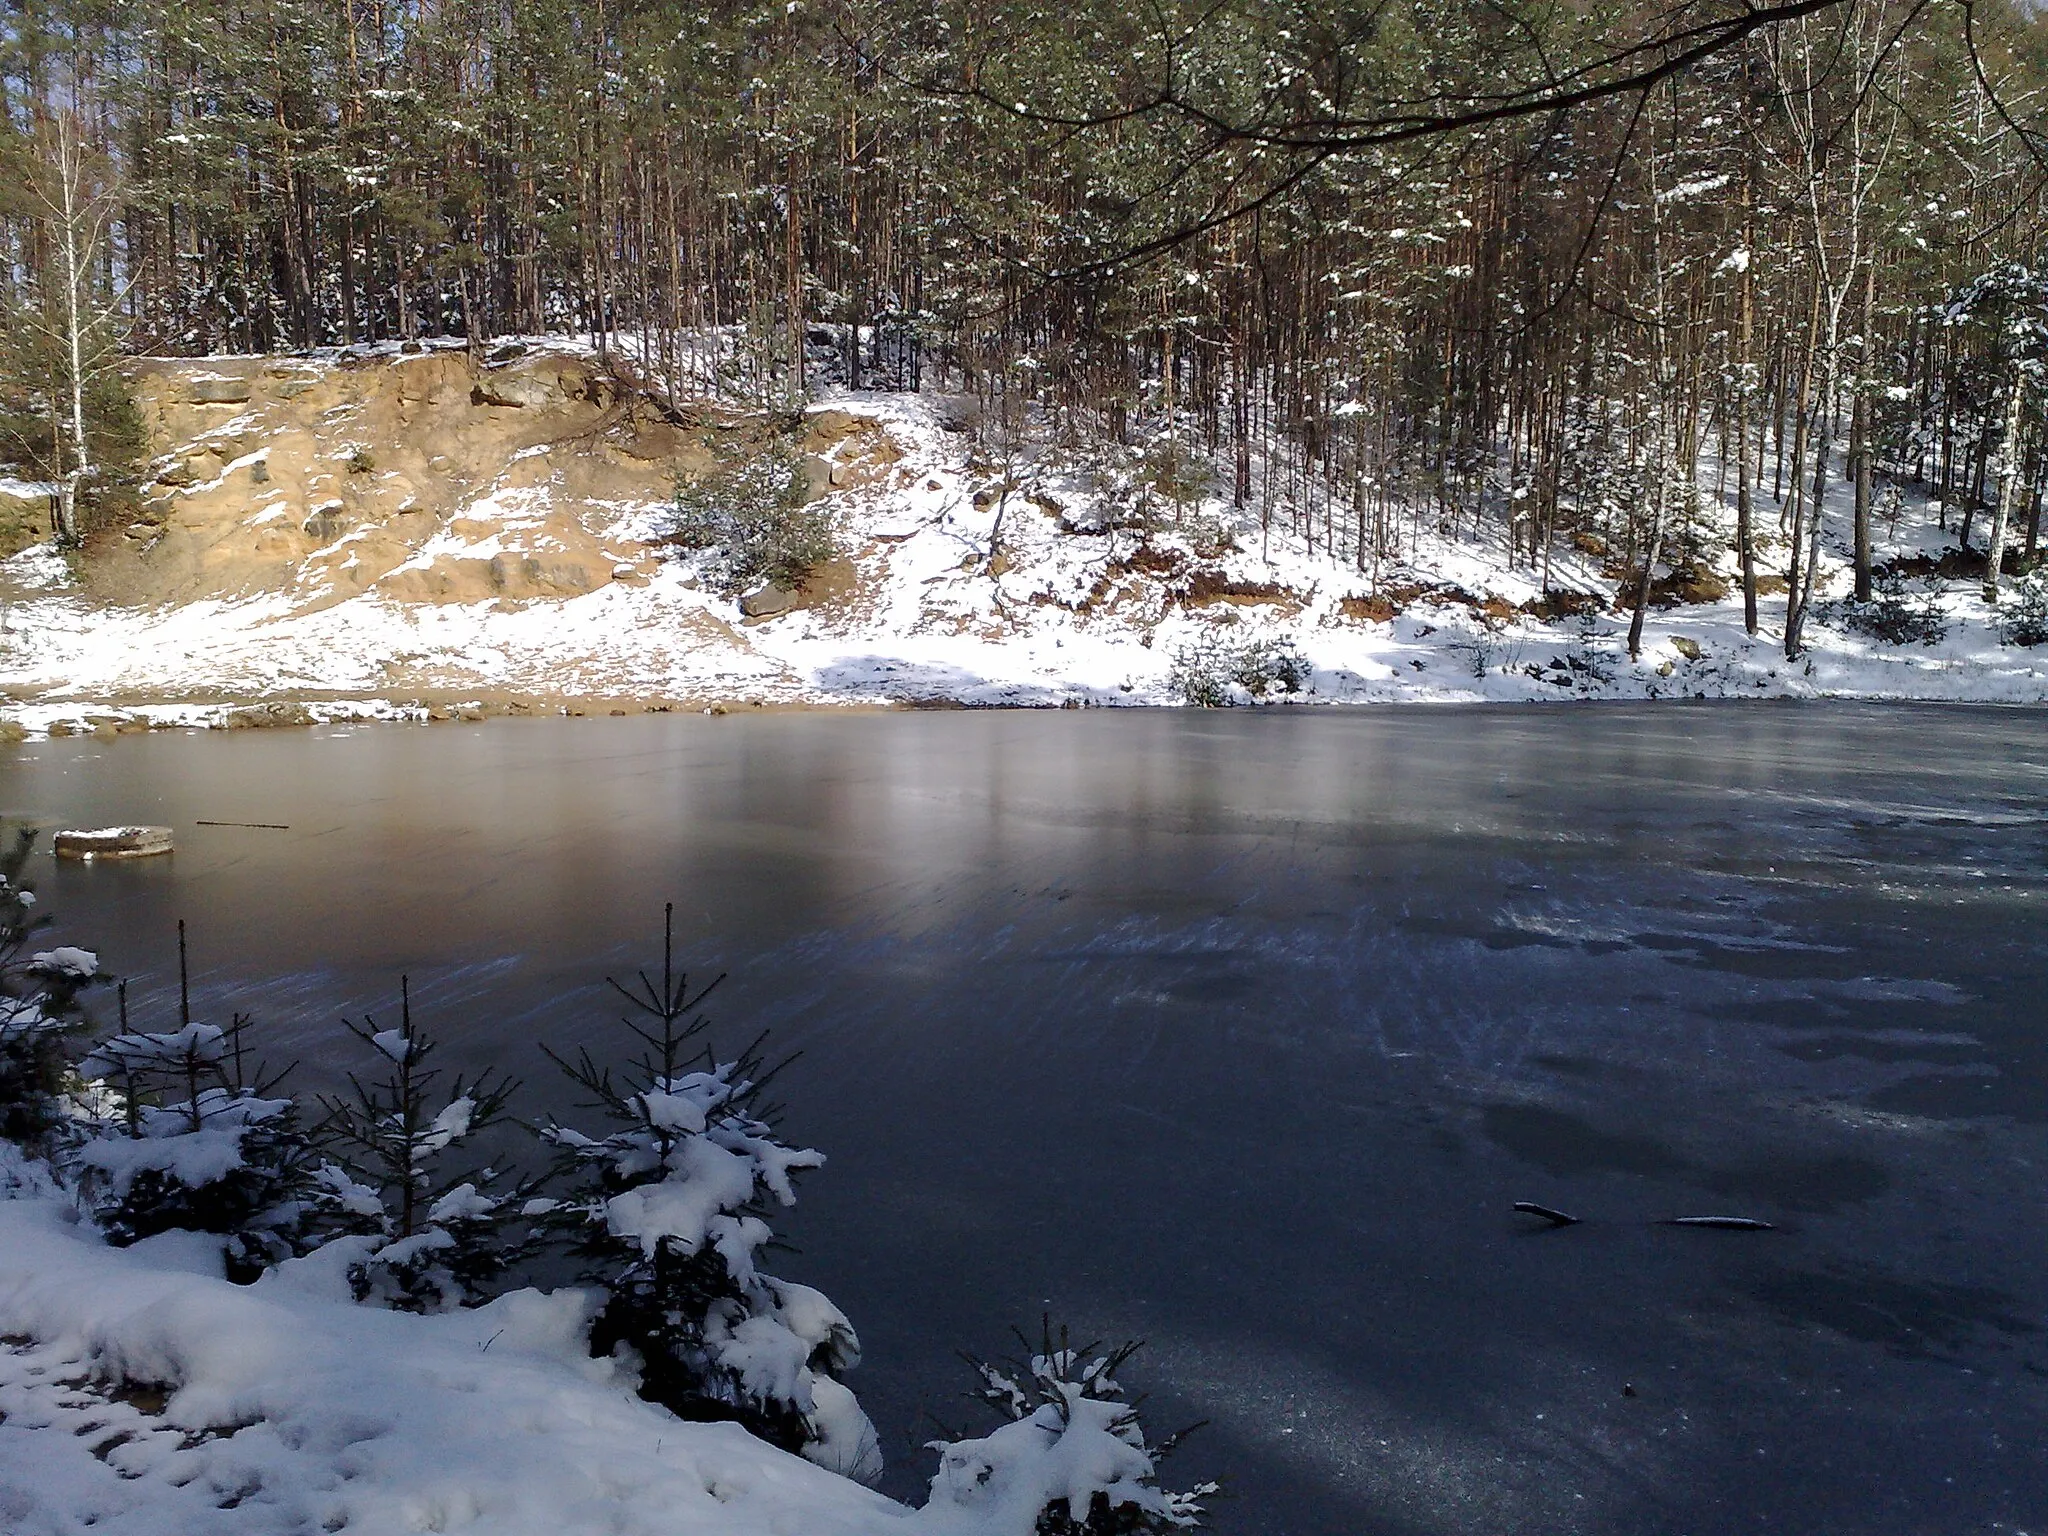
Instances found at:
x=422 y=478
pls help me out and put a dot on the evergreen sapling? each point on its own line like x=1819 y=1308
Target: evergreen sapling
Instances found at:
x=668 y=1218
x=39 y=1010
x=190 y=1138
x=2023 y=618
x=1070 y=1457
x=432 y=1239
x=1895 y=616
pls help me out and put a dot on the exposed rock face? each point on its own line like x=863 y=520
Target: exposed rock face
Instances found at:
x=421 y=478
x=24 y=515
x=211 y=389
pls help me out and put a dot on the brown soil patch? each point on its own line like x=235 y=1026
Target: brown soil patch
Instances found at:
x=1149 y=560
x=1563 y=603
x=24 y=520
x=1680 y=588
x=1369 y=610
x=1206 y=587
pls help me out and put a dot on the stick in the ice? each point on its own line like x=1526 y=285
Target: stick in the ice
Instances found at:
x=1555 y=1218
x=1726 y=1223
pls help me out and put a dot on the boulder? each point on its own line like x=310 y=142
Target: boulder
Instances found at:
x=216 y=389
x=328 y=523
x=256 y=717
x=563 y=574
x=766 y=602
x=829 y=427
x=518 y=390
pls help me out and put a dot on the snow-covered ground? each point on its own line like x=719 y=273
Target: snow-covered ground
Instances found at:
x=141 y=1394
x=1063 y=615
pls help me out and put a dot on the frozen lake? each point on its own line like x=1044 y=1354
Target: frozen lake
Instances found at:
x=1241 y=1032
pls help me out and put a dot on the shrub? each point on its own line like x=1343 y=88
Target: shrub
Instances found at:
x=225 y=1158
x=1895 y=615
x=1212 y=671
x=755 y=520
x=1070 y=1457
x=187 y=1140
x=1265 y=668
x=669 y=1217
x=2023 y=616
x=1200 y=671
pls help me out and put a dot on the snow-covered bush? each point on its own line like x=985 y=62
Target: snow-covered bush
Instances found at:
x=435 y=1237
x=667 y=1215
x=1212 y=671
x=1070 y=1458
x=757 y=519
x=1269 y=668
x=39 y=1011
x=177 y=1133
x=186 y=1143
x=1200 y=669
x=1895 y=614
x=2023 y=616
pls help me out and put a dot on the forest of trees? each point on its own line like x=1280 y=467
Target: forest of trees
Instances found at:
x=1546 y=271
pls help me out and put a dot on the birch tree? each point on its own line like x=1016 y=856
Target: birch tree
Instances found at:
x=80 y=295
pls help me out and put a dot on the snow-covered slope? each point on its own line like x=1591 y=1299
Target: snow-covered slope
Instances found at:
x=332 y=539
x=142 y=1395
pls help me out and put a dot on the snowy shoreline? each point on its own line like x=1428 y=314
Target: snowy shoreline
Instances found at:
x=57 y=720
x=959 y=584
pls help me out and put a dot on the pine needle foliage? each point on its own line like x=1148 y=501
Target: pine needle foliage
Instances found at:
x=444 y=1238
x=668 y=1214
x=194 y=1136
x=756 y=520
x=39 y=1009
x=1070 y=1454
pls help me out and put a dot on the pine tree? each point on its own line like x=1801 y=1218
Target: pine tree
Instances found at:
x=668 y=1215
x=441 y=1238
x=1070 y=1457
x=192 y=1137
x=39 y=1010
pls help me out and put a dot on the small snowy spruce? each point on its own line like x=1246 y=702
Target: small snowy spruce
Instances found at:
x=189 y=1139
x=39 y=1010
x=1212 y=671
x=667 y=1215
x=1895 y=614
x=432 y=1238
x=2023 y=618
x=757 y=521
x=1070 y=1458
